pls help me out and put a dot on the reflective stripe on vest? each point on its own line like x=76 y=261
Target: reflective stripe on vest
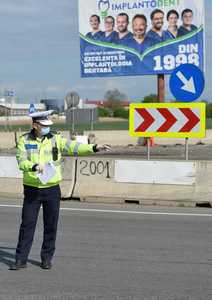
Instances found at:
x=68 y=145
x=29 y=151
x=76 y=148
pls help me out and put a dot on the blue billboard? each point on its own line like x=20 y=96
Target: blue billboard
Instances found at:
x=129 y=38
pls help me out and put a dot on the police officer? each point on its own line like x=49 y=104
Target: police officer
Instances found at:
x=35 y=151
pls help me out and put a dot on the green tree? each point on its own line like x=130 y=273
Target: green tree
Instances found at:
x=209 y=110
x=113 y=99
x=121 y=113
x=115 y=94
x=103 y=112
x=152 y=98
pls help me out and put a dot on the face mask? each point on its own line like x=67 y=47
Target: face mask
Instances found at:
x=45 y=130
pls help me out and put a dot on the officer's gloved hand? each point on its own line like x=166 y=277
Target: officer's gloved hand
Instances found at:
x=39 y=168
x=102 y=148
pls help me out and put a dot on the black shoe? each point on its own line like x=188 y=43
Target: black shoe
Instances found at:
x=18 y=265
x=46 y=265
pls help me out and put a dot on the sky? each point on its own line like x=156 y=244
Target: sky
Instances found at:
x=39 y=54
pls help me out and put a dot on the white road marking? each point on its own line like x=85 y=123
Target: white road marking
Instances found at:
x=122 y=211
x=12 y=206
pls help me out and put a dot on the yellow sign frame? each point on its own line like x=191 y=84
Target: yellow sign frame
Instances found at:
x=200 y=134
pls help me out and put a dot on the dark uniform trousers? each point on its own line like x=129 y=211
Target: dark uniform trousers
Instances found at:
x=49 y=198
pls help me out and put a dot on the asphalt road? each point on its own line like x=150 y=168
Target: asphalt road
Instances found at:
x=113 y=252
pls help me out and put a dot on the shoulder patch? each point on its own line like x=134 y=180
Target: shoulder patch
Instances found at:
x=31 y=146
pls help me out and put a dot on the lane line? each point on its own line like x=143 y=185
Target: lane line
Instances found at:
x=122 y=211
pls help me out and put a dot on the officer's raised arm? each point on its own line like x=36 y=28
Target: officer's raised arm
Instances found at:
x=74 y=148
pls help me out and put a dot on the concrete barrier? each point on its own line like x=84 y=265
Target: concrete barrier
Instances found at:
x=11 y=179
x=102 y=179
x=97 y=180
x=68 y=173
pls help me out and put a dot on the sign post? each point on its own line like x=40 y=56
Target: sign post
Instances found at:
x=72 y=101
x=161 y=88
x=186 y=149
x=148 y=148
x=9 y=96
x=187 y=84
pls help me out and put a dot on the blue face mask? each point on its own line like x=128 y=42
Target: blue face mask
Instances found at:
x=45 y=130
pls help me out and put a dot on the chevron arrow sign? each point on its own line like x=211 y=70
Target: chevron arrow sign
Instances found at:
x=177 y=120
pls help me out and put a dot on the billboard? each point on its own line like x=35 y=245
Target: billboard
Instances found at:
x=140 y=37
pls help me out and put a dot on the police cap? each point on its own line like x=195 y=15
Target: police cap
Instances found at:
x=42 y=117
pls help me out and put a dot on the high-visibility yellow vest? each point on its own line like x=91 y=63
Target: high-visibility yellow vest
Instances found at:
x=32 y=150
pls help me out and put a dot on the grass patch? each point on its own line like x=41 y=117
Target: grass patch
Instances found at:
x=79 y=128
x=209 y=123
